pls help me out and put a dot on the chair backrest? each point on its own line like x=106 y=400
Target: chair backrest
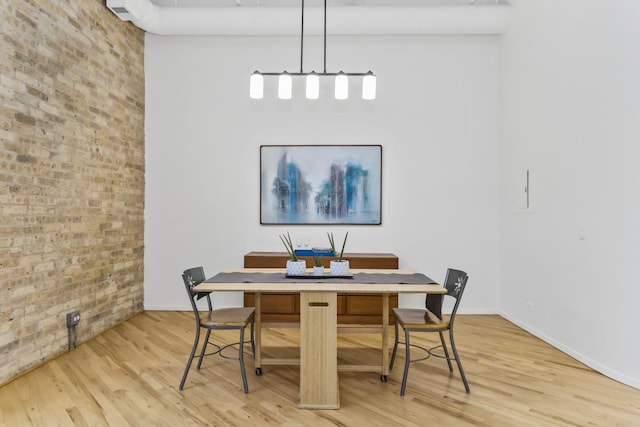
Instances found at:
x=192 y=277
x=455 y=283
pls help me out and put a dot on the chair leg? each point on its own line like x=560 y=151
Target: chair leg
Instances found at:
x=193 y=352
x=406 y=362
x=446 y=351
x=455 y=354
x=241 y=358
x=395 y=347
x=253 y=343
x=204 y=348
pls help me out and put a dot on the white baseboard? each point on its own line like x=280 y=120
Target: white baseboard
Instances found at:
x=613 y=374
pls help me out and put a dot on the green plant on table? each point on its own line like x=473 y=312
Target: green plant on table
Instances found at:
x=317 y=260
x=337 y=255
x=288 y=244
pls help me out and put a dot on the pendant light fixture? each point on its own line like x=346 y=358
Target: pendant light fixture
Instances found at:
x=313 y=86
x=284 y=86
x=341 y=85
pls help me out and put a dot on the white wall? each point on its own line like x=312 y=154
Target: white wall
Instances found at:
x=571 y=108
x=436 y=117
x=566 y=72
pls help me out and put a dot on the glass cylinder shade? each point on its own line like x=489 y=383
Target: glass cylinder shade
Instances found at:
x=342 y=86
x=369 y=86
x=313 y=86
x=284 y=86
x=256 y=86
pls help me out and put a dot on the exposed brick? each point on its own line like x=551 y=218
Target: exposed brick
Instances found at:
x=24 y=158
x=35 y=92
x=23 y=118
x=71 y=175
x=27 y=20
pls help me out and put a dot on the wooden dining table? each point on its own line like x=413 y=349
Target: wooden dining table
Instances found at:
x=318 y=360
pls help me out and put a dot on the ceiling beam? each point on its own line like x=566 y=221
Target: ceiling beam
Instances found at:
x=346 y=20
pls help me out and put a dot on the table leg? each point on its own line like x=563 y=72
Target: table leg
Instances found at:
x=385 y=336
x=319 y=351
x=258 y=333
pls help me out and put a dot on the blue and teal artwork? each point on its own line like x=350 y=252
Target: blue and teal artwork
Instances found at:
x=320 y=184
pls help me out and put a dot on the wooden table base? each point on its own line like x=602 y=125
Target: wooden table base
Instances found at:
x=318 y=351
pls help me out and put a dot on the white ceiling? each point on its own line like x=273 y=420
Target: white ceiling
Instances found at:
x=316 y=3
x=282 y=17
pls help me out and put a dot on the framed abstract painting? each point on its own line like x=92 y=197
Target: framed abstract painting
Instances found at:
x=321 y=184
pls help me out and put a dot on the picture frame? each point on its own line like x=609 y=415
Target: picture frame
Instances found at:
x=320 y=184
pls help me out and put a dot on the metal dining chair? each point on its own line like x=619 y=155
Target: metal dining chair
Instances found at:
x=430 y=319
x=237 y=318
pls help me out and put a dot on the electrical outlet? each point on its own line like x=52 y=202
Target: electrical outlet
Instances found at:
x=73 y=318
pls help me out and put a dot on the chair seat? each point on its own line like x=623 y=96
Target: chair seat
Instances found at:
x=420 y=318
x=429 y=319
x=235 y=316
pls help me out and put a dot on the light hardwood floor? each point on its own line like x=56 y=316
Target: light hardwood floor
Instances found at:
x=129 y=375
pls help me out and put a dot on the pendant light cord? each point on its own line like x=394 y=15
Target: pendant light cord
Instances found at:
x=301 y=36
x=324 y=34
x=325 y=37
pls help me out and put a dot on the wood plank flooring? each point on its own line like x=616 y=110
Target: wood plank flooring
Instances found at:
x=129 y=375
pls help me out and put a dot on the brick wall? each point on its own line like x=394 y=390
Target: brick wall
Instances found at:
x=71 y=175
